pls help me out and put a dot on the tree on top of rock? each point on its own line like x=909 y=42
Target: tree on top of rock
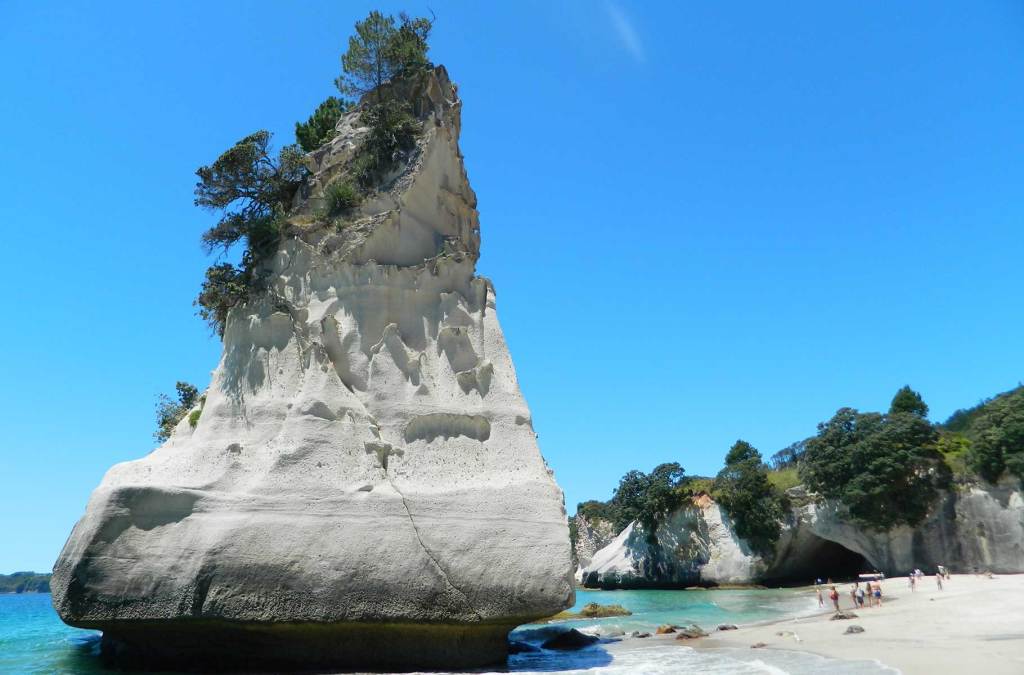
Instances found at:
x=884 y=469
x=647 y=497
x=743 y=490
x=907 y=400
x=382 y=50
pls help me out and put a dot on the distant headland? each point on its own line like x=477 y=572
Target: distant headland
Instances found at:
x=25 y=582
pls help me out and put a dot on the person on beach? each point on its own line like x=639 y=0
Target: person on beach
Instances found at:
x=821 y=600
x=938 y=579
x=853 y=593
x=859 y=597
x=913 y=581
x=876 y=592
x=833 y=595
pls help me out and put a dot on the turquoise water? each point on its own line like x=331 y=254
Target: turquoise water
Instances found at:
x=705 y=608
x=34 y=640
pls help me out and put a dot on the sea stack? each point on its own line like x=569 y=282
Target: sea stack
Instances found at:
x=363 y=487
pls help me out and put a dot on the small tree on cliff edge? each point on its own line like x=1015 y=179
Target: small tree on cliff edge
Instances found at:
x=382 y=50
x=319 y=128
x=743 y=490
x=169 y=413
x=252 y=190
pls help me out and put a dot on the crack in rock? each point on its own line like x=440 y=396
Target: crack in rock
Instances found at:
x=430 y=555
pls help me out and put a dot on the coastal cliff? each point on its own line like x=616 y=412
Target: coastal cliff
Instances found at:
x=363 y=487
x=976 y=527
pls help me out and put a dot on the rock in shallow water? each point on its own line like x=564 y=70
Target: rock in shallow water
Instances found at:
x=570 y=640
x=363 y=487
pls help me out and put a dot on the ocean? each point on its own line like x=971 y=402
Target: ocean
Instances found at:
x=34 y=640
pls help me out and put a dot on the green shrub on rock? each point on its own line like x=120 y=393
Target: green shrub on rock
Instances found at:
x=341 y=196
x=224 y=287
x=392 y=134
x=169 y=412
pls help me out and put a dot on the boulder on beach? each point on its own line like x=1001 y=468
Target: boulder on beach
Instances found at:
x=570 y=640
x=363 y=488
x=690 y=632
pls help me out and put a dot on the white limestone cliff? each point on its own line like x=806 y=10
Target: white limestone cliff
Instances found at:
x=695 y=545
x=976 y=527
x=363 y=486
x=592 y=534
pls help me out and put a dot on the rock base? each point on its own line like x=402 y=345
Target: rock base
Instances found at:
x=257 y=648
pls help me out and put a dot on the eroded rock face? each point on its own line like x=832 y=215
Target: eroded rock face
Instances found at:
x=363 y=487
x=592 y=534
x=978 y=527
x=694 y=546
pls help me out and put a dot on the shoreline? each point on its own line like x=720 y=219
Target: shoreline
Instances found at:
x=975 y=623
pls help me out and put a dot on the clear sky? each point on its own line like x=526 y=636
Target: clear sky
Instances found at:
x=704 y=221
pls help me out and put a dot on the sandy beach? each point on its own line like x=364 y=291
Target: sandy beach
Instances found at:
x=976 y=624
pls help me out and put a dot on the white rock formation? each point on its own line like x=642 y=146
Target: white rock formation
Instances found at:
x=364 y=486
x=694 y=546
x=592 y=534
x=975 y=528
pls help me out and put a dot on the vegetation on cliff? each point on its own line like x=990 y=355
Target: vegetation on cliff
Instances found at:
x=989 y=438
x=254 y=190
x=746 y=494
x=320 y=127
x=170 y=412
x=885 y=469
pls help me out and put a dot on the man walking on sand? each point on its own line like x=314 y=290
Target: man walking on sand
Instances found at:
x=938 y=579
x=833 y=595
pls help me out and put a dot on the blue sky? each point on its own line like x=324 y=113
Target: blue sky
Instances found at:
x=704 y=221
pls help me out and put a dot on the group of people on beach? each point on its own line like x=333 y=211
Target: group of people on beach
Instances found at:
x=871 y=591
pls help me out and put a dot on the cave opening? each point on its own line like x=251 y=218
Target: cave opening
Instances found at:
x=820 y=559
